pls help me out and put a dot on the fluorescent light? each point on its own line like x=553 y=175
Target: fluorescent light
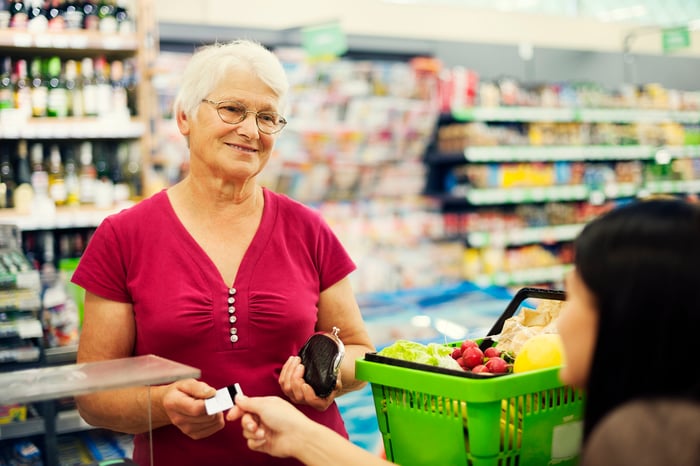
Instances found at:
x=622 y=14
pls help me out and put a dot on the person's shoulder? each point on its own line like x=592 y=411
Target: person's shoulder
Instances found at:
x=647 y=432
x=292 y=207
x=143 y=209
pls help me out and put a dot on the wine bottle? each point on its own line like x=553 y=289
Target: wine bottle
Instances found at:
x=39 y=88
x=24 y=194
x=89 y=87
x=73 y=15
x=6 y=98
x=103 y=86
x=57 y=97
x=90 y=20
x=57 y=185
x=105 y=12
x=19 y=14
x=88 y=174
x=7 y=177
x=55 y=16
x=74 y=92
x=120 y=104
x=72 y=181
x=22 y=89
x=37 y=16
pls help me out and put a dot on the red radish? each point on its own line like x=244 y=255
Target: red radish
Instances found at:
x=472 y=357
x=492 y=352
x=468 y=344
x=457 y=352
x=497 y=365
x=480 y=369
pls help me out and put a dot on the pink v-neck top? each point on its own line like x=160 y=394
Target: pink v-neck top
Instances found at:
x=234 y=332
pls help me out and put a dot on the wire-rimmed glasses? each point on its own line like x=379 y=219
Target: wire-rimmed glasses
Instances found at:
x=233 y=112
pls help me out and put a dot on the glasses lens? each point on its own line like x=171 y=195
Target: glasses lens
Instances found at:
x=232 y=112
x=270 y=122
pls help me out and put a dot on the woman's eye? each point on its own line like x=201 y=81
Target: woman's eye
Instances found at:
x=234 y=109
x=268 y=117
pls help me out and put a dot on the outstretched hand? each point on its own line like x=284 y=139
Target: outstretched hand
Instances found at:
x=270 y=424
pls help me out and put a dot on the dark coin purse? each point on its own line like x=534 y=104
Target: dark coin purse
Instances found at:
x=321 y=356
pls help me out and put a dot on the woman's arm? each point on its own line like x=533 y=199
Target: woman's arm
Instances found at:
x=109 y=332
x=337 y=307
x=275 y=427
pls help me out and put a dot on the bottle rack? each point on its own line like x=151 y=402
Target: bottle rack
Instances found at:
x=69 y=227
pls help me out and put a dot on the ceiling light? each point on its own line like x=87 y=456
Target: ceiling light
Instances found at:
x=622 y=14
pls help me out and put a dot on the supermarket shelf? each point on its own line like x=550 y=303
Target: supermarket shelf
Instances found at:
x=520 y=236
x=524 y=277
x=23 y=328
x=64 y=218
x=595 y=195
x=528 y=114
x=491 y=196
x=61 y=355
x=636 y=116
x=82 y=41
x=556 y=153
x=673 y=187
x=70 y=421
x=495 y=154
x=118 y=127
x=34 y=426
x=593 y=115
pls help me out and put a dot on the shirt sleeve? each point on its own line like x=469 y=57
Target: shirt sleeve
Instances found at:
x=334 y=261
x=101 y=269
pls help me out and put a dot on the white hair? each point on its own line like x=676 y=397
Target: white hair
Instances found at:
x=212 y=63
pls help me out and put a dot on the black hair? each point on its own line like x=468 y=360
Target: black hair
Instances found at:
x=641 y=262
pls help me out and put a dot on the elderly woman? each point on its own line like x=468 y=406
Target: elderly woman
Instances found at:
x=219 y=273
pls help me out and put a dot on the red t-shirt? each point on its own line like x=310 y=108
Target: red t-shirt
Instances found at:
x=144 y=256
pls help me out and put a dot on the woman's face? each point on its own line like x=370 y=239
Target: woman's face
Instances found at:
x=231 y=152
x=578 y=327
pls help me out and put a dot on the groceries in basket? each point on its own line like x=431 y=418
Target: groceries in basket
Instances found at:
x=517 y=343
x=479 y=419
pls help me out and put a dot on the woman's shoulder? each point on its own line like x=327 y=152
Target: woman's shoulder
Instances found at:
x=290 y=207
x=647 y=432
x=142 y=209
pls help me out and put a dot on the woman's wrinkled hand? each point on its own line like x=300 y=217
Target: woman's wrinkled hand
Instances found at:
x=183 y=402
x=292 y=383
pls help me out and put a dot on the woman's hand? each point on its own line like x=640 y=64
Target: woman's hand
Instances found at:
x=297 y=390
x=270 y=424
x=183 y=402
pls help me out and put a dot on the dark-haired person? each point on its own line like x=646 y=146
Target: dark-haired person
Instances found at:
x=630 y=327
x=218 y=273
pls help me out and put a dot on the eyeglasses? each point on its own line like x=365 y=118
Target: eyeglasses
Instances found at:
x=233 y=112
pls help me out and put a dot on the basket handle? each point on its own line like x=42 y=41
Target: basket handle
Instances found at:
x=514 y=305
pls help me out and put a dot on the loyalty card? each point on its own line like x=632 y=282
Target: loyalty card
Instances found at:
x=223 y=399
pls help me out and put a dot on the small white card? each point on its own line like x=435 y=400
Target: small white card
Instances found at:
x=223 y=399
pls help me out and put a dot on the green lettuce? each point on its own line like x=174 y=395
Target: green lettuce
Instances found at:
x=433 y=354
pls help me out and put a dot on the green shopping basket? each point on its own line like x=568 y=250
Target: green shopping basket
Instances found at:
x=430 y=416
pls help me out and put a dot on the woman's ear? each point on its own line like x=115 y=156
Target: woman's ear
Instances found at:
x=183 y=122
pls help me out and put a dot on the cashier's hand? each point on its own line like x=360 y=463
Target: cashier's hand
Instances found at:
x=298 y=391
x=183 y=402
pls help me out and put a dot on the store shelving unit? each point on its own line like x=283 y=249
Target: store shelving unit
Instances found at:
x=134 y=128
x=478 y=196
